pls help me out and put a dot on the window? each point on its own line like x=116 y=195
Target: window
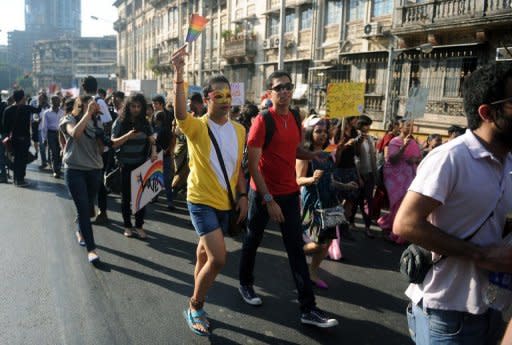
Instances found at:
x=289 y=22
x=333 y=12
x=306 y=14
x=456 y=70
x=274 y=26
x=356 y=10
x=382 y=7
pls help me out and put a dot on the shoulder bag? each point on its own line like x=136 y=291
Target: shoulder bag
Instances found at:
x=235 y=228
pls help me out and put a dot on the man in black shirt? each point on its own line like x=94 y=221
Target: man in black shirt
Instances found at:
x=17 y=119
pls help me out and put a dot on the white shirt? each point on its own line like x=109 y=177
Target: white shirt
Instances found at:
x=228 y=143
x=105 y=116
x=470 y=183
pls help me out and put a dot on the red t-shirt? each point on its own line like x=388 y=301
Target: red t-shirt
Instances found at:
x=277 y=163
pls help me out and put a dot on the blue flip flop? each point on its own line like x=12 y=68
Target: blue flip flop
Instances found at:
x=194 y=318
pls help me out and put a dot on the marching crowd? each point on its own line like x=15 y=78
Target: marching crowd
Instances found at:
x=311 y=175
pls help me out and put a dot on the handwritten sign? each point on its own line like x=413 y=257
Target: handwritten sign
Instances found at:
x=237 y=93
x=345 y=99
x=146 y=182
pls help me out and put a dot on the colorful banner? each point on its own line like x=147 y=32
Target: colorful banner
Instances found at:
x=237 y=94
x=345 y=99
x=196 y=26
x=146 y=182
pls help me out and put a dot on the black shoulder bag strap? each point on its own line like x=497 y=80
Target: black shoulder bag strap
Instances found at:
x=223 y=167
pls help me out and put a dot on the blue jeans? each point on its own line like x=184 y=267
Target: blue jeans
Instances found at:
x=447 y=327
x=83 y=186
x=42 y=149
x=168 y=176
x=291 y=231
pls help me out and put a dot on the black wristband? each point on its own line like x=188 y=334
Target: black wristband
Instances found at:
x=242 y=195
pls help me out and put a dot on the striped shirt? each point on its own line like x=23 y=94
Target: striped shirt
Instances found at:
x=135 y=151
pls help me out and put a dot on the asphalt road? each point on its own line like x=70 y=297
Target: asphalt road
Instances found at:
x=51 y=295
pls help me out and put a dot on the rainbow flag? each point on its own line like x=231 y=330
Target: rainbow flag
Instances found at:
x=196 y=26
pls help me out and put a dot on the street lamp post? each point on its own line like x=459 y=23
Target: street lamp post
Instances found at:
x=393 y=54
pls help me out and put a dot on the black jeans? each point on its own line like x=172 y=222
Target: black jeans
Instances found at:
x=20 y=147
x=291 y=231
x=126 y=171
x=53 y=144
x=365 y=198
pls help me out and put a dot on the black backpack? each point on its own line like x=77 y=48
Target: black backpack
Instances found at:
x=270 y=125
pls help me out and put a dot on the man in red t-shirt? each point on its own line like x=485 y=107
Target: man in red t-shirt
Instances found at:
x=274 y=195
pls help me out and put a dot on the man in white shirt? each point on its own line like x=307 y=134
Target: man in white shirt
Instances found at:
x=50 y=133
x=463 y=190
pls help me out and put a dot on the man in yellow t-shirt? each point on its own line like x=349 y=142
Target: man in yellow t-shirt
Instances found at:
x=207 y=194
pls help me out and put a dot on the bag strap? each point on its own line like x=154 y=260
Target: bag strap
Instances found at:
x=467 y=238
x=316 y=185
x=222 y=166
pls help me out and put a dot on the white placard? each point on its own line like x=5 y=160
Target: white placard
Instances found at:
x=237 y=94
x=146 y=182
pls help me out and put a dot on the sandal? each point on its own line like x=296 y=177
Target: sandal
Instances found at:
x=128 y=232
x=80 y=239
x=141 y=233
x=197 y=317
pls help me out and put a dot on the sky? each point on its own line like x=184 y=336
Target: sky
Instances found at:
x=13 y=17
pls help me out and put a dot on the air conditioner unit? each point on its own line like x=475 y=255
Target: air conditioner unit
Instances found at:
x=372 y=29
x=504 y=54
x=266 y=43
x=275 y=43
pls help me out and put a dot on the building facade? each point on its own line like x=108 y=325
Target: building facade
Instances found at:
x=323 y=41
x=64 y=63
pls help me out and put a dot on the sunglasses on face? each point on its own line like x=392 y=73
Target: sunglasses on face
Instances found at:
x=281 y=87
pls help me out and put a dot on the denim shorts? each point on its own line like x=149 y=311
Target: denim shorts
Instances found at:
x=206 y=219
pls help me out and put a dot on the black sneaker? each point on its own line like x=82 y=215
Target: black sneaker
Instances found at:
x=249 y=296
x=317 y=318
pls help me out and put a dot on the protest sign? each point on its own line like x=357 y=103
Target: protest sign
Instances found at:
x=146 y=182
x=345 y=99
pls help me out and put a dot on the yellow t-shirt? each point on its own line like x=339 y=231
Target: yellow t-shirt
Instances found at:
x=203 y=182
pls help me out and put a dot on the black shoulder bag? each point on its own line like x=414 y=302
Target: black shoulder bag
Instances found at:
x=235 y=228
x=416 y=261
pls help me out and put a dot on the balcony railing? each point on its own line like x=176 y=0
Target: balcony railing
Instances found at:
x=239 y=48
x=450 y=11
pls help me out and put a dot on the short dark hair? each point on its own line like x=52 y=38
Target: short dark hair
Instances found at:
x=90 y=84
x=18 y=95
x=484 y=86
x=219 y=78
x=118 y=94
x=277 y=74
x=102 y=92
x=364 y=120
x=158 y=99
x=196 y=97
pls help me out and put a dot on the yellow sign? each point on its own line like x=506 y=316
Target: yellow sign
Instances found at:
x=345 y=99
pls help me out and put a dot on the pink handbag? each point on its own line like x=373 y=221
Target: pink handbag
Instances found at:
x=334 y=251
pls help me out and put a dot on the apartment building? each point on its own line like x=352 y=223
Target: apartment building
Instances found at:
x=376 y=42
x=65 y=62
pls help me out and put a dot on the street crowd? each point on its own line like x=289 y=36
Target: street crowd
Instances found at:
x=243 y=167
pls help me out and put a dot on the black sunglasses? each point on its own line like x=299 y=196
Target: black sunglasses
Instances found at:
x=280 y=87
x=501 y=101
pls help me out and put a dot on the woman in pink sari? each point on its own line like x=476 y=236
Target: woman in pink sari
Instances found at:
x=402 y=156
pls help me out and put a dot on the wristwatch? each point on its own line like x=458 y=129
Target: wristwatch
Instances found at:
x=267 y=198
